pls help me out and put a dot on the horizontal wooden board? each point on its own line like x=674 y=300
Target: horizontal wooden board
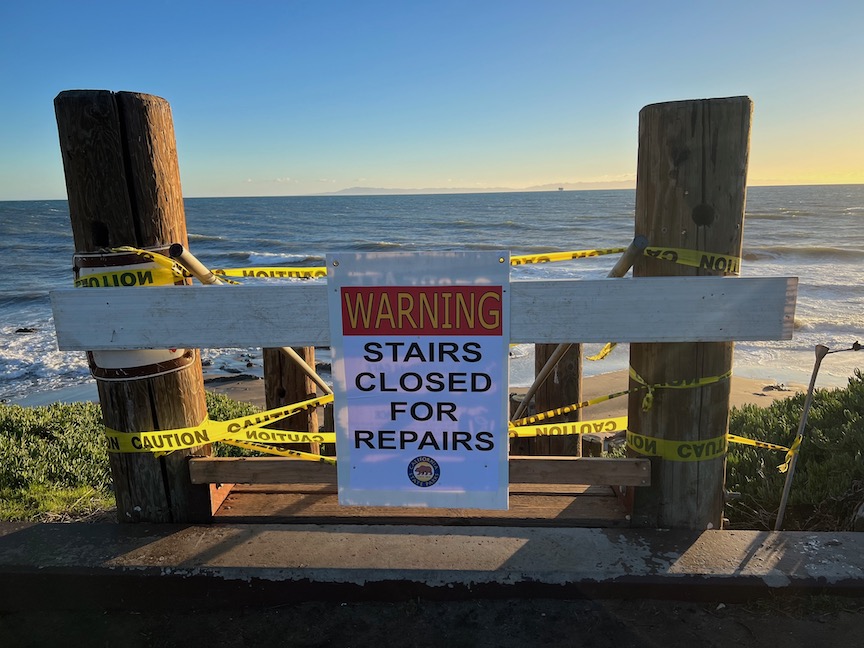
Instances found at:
x=317 y=508
x=516 y=489
x=523 y=470
x=649 y=309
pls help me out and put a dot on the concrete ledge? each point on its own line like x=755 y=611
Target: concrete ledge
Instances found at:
x=111 y=566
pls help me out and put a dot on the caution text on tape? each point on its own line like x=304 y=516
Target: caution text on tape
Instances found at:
x=597 y=426
x=247 y=428
x=696 y=259
x=677 y=450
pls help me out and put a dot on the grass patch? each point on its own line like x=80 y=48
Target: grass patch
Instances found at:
x=54 y=464
x=828 y=483
x=42 y=503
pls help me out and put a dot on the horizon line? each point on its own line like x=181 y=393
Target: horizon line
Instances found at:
x=428 y=191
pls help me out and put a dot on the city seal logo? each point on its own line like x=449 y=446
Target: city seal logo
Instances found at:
x=423 y=471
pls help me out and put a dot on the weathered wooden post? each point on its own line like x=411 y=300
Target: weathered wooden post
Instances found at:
x=561 y=388
x=690 y=194
x=123 y=185
x=286 y=383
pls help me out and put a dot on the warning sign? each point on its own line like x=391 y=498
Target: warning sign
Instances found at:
x=420 y=352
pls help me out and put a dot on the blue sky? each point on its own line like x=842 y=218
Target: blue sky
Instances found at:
x=301 y=97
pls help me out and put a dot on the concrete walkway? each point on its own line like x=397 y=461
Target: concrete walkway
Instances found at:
x=112 y=566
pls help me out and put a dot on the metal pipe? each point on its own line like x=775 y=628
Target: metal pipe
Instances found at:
x=621 y=267
x=309 y=371
x=821 y=352
x=203 y=274
x=197 y=269
x=541 y=377
x=628 y=258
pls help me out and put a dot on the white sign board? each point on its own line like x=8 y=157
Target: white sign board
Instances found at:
x=420 y=368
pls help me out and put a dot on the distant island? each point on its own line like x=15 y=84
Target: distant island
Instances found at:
x=557 y=186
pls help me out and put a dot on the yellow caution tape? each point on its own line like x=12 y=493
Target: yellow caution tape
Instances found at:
x=272 y=273
x=159 y=259
x=165 y=441
x=615 y=424
x=279 y=272
x=258 y=434
x=550 y=257
x=677 y=450
x=127 y=278
x=608 y=425
x=283 y=452
x=164 y=262
x=796 y=445
x=161 y=442
x=165 y=273
x=696 y=259
x=647 y=401
x=596 y=426
x=605 y=351
x=691 y=383
x=530 y=420
x=734 y=438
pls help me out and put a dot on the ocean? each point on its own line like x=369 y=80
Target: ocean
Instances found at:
x=813 y=232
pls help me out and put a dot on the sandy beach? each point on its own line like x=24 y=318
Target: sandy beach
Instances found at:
x=744 y=391
x=250 y=389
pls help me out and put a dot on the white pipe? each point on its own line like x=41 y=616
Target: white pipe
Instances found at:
x=205 y=276
x=628 y=258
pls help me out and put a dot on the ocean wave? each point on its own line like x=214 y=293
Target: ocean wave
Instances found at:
x=252 y=259
x=835 y=284
x=377 y=246
x=771 y=216
x=308 y=259
x=815 y=252
x=513 y=224
x=829 y=326
x=484 y=246
x=202 y=238
x=17 y=298
x=31 y=362
x=269 y=242
x=273 y=255
x=802 y=324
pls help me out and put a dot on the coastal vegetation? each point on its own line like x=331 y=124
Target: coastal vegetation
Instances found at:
x=54 y=463
x=828 y=483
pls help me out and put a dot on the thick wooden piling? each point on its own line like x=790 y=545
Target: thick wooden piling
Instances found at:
x=285 y=383
x=123 y=185
x=690 y=194
x=562 y=387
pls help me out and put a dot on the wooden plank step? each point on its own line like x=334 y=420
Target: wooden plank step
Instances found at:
x=516 y=489
x=523 y=470
x=323 y=508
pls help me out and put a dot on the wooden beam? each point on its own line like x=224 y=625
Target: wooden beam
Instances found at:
x=123 y=185
x=690 y=193
x=580 y=470
x=652 y=309
x=523 y=470
x=525 y=510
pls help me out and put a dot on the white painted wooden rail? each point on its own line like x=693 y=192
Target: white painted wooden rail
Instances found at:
x=648 y=309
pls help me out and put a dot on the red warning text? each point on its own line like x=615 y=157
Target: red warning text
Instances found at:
x=421 y=310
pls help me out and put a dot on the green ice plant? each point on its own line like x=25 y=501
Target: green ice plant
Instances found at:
x=828 y=483
x=54 y=462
